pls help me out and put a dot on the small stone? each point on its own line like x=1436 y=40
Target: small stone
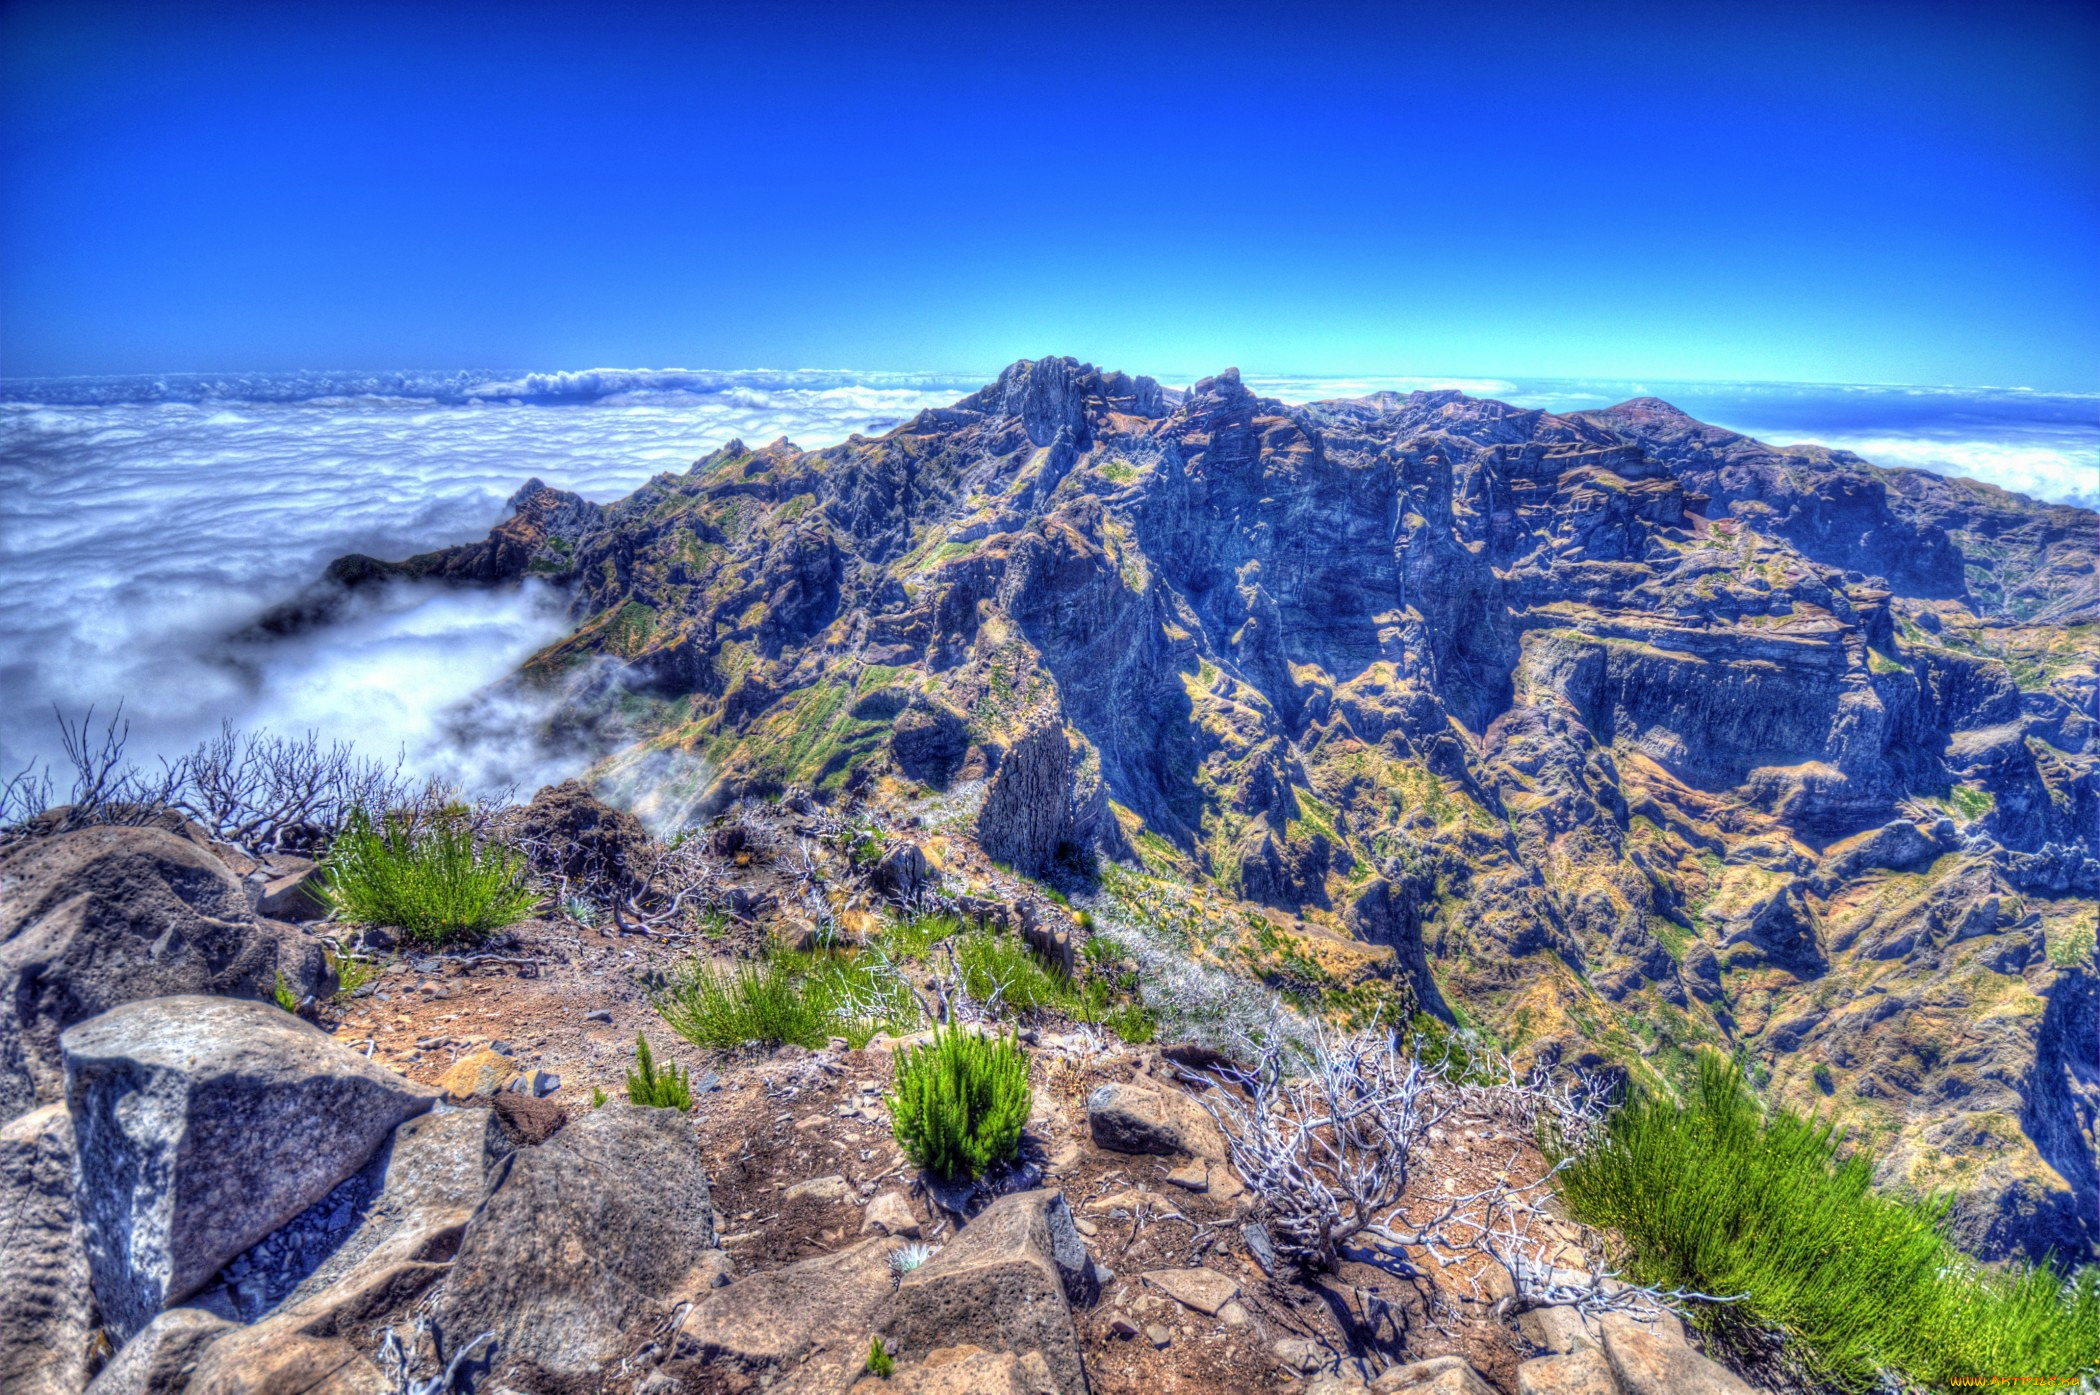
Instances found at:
x=1193 y=1177
x=1123 y=1327
x=598 y=1015
x=503 y=1048
x=891 y=1214
x=1159 y=1336
x=1299 y=1354
x=1087 y=1227
x=1235 y=1314
x=833 y=1188
x=1205 y=1290
x=483 y=1073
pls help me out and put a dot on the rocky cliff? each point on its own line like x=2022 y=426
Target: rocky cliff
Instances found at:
x=1615 y=732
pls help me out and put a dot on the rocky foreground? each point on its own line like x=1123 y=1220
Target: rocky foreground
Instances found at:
x=431 y=1183
x=1613 y=733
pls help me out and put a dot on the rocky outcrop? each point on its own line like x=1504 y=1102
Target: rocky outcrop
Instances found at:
x=203 y=1124
x=585 y=1242
x=47 y=1310
x=96 y=918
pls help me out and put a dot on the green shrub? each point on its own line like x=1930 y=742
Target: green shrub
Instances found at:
x=802 y=999
x=1001 y=969
x=669 y=1088
x=1718 y=1198
x=286 y=998
x=960 y=1102
x=880 y=1363
x=751 y=1002
x=351 y=974
x=434 y=883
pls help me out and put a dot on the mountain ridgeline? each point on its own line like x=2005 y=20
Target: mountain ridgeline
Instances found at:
x=1611 y=733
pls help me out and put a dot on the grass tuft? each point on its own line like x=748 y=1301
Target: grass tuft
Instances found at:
x=1719 y=1198
x=669 y=1088
x=790 y=998
x=960 y=1103
x=434 y=884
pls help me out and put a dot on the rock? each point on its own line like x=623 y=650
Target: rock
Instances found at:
x=598 y=1015
x=1556 y=1329
x=766 y=1324
x=1133 y=1118
x=1006 y=1283
x=484 y=1072
x=1439 y=1375
x=1584 y=1371
x=891 y=1214
x=1299 y=1354
x=161 y=1359
x=202 y=1125
x=902 y=870
x=1192 y=1176
x=967 y=1370
x=584 y=1238
x=1205 y=1290
x=1159 y=1336
x=1122 y=1327
x=46 y=1306
x=526 y=1120
x=105 y=916
x=291 y=891
x=576 y=835
x=824 y=1190
x=1027 y=811
x=1649 y=1365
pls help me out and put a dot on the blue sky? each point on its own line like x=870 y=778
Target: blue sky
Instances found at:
x=1865 y=193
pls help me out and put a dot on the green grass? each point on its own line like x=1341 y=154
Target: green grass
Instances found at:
x=1719 y=1198
x=434 y=884
x=1001 y=967
x=351 y=974
x=286 y=998
x=881 y=1364
x=960 y=1103
x=669 y=1088
x=790 y=998
x=1971 y=803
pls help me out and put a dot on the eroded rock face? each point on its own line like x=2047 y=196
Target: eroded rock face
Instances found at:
x=47 y=1309
x=595 y=1232
x=202 y=1125
x=99 y=917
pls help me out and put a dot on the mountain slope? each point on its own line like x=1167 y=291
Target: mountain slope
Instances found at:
x=1612 y=733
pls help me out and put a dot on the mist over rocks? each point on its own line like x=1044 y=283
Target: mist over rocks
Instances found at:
x=1601 y=699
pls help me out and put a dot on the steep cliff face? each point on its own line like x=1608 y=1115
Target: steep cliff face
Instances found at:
x=1625 y=734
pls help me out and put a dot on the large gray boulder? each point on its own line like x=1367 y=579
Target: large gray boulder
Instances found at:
x=46 y=1306
x=104 y=916
x=203 y=1124
x=1006 y=1283
x=162 y=1359
x=603 y=1228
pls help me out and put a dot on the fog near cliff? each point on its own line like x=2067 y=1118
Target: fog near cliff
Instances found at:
x=143 y=520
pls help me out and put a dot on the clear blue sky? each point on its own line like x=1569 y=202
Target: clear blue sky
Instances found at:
x=1853 y=192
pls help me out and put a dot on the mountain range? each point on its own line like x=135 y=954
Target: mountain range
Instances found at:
x=1611 y=735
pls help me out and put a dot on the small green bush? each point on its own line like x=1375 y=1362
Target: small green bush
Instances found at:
x=351 y=974
x=669 y=1088
x=803 y=999
x=960 y=1103
x=286 y=998
x=1000 y=968
x=435 y=884
x=1718 y=1198
x=880 y=1363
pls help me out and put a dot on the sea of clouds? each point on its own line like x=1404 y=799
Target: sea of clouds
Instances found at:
x=145 y=520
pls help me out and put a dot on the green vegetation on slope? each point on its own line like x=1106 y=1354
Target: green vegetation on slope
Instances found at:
x=1719 y=1198
x=435 y=883
x=960 y=1103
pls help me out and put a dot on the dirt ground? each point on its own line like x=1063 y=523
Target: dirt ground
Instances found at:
x=569 y=1002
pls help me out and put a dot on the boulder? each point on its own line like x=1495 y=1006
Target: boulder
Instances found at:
x=423 y=1188
x=574 y=834
x=1137 y=1117
x=105 y=916
x=598 y=1230
x=787 y=1327
x=967 y=1370
x=1647 y=1364
x=482 y=1072
x=291 y=890
x=202 y=1125
x=891 y=1214
x=1585 y=1371
x=162 y=1359
x=1005 y=1283
x=46 y=1307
